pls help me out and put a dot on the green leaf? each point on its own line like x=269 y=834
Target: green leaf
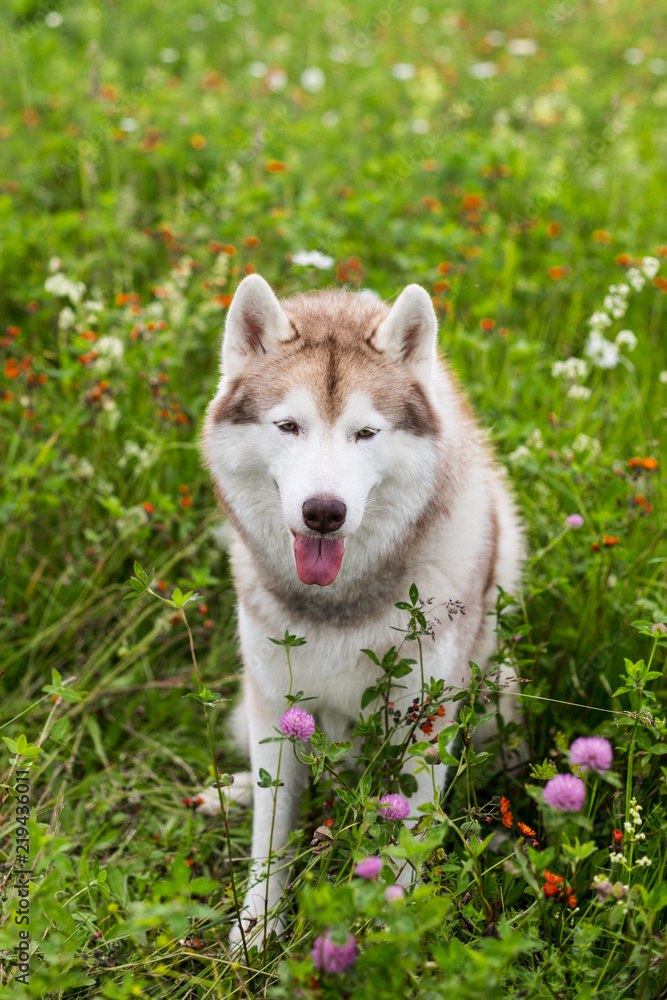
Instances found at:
x=414 y=594
x=369 y=695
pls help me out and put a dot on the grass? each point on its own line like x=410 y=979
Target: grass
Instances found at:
x=144 y=153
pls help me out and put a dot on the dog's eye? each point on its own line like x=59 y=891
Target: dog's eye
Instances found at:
x=365 y=434
x=288 y=426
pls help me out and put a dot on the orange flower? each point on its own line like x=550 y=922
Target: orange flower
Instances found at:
x=623 y=260
x=441 y=286
x=223 y=300
x=122 y=299
x=148 y=507
x=429 y=166
x=554 y=228
x=572 y=900
x=472 y=201
x=553 y=879
x=617 y=836
x=11 y=368
x=13 y=331
x=610 y=541
x=276 y=167
x=444 y=267
x=595 y=547
x=505 y=812
x=549 y=890
x=632 y=462
x=350 y=270
x=329 y=822
x=249 y=269
x=487 y=325
x=601 y=236
x=30 y=118
x=556 y=273
x=198 y=142
x=88 y=335
x=428 y=201
x=640 y=500
x=660 y=283
x=185 y=502
x=526 y=830
x=251 y=241
x=650 y=463
x=183 y=488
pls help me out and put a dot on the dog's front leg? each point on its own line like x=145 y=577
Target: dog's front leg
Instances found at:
x=275 y=811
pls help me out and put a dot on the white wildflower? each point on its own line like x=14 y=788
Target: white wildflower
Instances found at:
x=572 y=368
x=612 y=580
x=583 y=443
x=169 y=55
x=662 y=377
x=618 y=858
x=636 y=278
x=482 y=70
x=339 y=54
x=599 y=319
x=634 y=56
x=658 y=66
x=92 y=306
x=601 y=351
x=313 y=79
x=258 y=69
x=53 y=19
x=84 y=468
x=276 y=79
x=60 y=284
x=535 y=439
x=313 y=258
x=644 y=862
x=403 y=71
x=626 y=338
x=623 y=289
x=650 y=267
x=196 y=22
x=330 y=118
x=495 y=38
x=579 y=392
x=522 y=46
x=66 y=318
x=54 y=264
x=420 y=125
x=110 y=351
x=419 y=15
x=128 y=125
x=628 y=827
x=519 y=453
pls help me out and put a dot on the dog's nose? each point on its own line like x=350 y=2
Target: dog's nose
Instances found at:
x=324 y=513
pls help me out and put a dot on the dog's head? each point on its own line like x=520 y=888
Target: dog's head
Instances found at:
x=324 y=408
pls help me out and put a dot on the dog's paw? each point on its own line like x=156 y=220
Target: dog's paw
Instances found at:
x=207 y=801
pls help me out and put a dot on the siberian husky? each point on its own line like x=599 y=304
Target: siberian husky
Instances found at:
x=349 y=466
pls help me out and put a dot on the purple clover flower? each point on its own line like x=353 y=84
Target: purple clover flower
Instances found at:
x=565 y=792
x=393 y=892
x=369 y=867
x=297 y=724
x=331 y=957
x=394 y=807
x=574 y=521
x=658 y=629
x=592 y=753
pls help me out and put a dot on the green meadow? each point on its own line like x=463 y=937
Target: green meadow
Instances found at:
x=510 y=158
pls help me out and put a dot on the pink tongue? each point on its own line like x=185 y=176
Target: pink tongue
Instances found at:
x=318 y=559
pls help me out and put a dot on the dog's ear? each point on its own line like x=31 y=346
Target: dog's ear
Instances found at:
x=255 y=325
x=409 y=333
